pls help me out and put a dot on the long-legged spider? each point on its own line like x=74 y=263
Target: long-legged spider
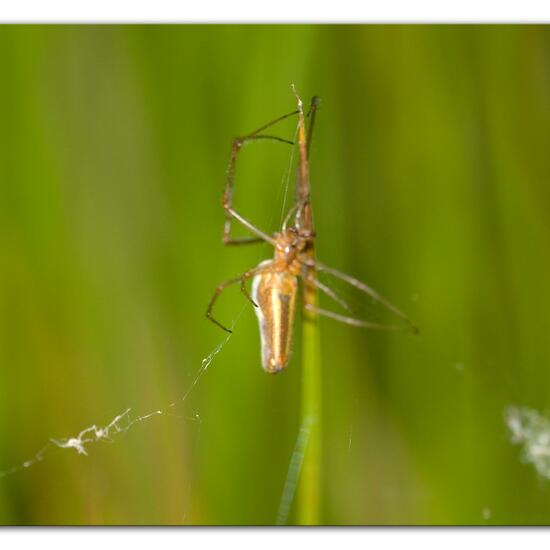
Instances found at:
x=275 y=281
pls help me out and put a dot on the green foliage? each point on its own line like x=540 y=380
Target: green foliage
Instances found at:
x=429 y=180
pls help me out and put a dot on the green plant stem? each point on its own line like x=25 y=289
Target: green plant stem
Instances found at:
x=309 y=486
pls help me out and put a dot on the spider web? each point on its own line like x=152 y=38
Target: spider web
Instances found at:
x=120 y=424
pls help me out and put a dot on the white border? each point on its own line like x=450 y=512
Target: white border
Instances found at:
x=281 y=11
x=274 y=539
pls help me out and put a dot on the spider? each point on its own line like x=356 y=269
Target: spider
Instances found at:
x=275 y=281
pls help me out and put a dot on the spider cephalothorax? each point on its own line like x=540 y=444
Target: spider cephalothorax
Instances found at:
x=290 y=246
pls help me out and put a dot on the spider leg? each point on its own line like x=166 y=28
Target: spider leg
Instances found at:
x=315 y=101
x=290 y=213
x=228 y=195
x=222 y=286
x=369 y=291
x=329 y=292
x=265 y=266
x=351 y=320
x=219 y=289
x=296 y=209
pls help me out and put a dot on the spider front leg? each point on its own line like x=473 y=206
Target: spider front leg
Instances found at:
x=228 y=194
x=221 y=287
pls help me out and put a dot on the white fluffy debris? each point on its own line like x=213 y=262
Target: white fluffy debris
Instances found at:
x=531 y=429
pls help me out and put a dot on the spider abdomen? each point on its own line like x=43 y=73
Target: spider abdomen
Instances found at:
x=275 y=294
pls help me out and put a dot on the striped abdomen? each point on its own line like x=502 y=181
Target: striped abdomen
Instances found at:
x=275 y=294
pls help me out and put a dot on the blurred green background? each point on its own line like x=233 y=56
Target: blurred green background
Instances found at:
x=430 y=179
